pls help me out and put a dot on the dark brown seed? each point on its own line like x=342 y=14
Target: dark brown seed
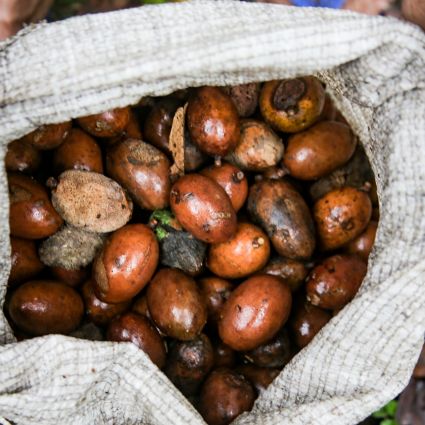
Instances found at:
x=22 y=156
x=48 y=136
x=363 y=244
x=106 y=124
x=260 y=377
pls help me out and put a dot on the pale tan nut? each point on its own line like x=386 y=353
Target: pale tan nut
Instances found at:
x=91 y=201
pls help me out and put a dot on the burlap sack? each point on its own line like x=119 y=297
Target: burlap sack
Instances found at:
x=375 y=70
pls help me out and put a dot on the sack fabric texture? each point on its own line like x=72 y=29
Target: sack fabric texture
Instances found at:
x=374 y=69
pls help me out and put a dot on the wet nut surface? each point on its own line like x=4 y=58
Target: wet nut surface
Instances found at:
x=48 y=136
x=22 y=156
x=106 y=124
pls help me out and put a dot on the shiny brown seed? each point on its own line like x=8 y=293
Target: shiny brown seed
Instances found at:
x=224 y=356
x=106 y=124
x=48 y=136
x=69 y=276
x=363 y=244
x=22 y=156
x=260 y=377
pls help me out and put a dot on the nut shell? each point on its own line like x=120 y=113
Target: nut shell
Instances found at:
x=48 y=136
x=106 y=124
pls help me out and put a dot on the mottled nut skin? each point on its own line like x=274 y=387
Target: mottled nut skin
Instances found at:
x=203 y=208
x=158 y=123
x=224 y=396
x=254 y=312
x=224 y=356
x=48 y=136
x=25 y=262
x=42 y=307
x=71 y=277
x=139 y=330
x=363 y=244
x=22 y=156
x=341 y=215
x=258 y=148
x=244 y=254
x=188 y=363
x=176 y=305
x=293 y=272
x=126 y=263
x=260 y=377
x=319 y=150
x=232 y=180
x=306 y=321
x=212 y=121
x=79 y=151
x=292 y=105
x=335 y=281
x=141 y=169
x=31 y=215
x=215 y=292
x=275 y=353
x=106 y=124
x=97 y=311
x=283 y=214
x=245 y=97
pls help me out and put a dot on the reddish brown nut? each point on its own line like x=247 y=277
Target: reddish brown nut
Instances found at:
x=306 y=321
x=193 y=157
x=69 y=276
x=224 y=396
x=283 y=214
x=260 y=377
x=293 y=272
x=126 y=263
x=140 y=306
x=232 y=180
x=319 y=150
x=335 y=281
x=244 y=254
x=224 y=356
x=245 y=97
x=189 y=362
x=203 y=208
x=106 y=124
x=97 y=311
x=258 y=147
x=79 y=151
x=254 y=312
x=133 y=327
x=215 y=292
x=48 y=136
x=363 y=244
x=292 y=105
x=42 y=307
x=131 y=131
x=141 y=169
x=176 y=305
x=158 y=123
x=22 y=156
x=275 y=353
x=341 y=215
x=212 y=121
x=25 y=262
x=32 y=215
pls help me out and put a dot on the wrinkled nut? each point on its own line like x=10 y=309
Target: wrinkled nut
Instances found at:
x=245 y=97
x=106 y=124
x=70 y=248
x=48 y=136
x=91 y=201
x=22 y=156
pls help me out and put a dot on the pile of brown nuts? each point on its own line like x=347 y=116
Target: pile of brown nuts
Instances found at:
x=218 y=229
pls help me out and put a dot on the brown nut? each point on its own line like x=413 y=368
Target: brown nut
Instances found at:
x=133 y=327
x=203 y=208
x=215 y=292
x=258 y=148
x=341 y=215
x=275 y=353
x=293 y=272
x=224 y=396
x=283 y=214
x=106 y=124
x=319 y=150
x=363 y=244
x=141 y=169
x=245 y=97
x=254 y=312
x=131 y=131
x=306 y=321
x=232 y=180
x=244 y=254
x=189 y=362
x=212 y=121
x=42 y=307
x=91 y=201
x=71 y=277
x=48 y=136
x=99 y=312
x=224 y=356
x=25 y=262
x=176 y=305
x=32 y=215
x=193 y=157
x=79 y=151
x=335 y=281
x=260 y=377
x=292 y=105
x=140 y=306
x=22 y=156
x=126 y=263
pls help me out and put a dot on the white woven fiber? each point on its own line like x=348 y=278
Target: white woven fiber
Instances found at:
x=375 y=69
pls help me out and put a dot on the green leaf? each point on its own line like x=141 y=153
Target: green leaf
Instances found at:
x=391 y=408
x=389 y=422
x=380 y=414
x=162 y=216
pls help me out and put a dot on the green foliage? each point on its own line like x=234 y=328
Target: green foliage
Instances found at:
x=387 y=414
